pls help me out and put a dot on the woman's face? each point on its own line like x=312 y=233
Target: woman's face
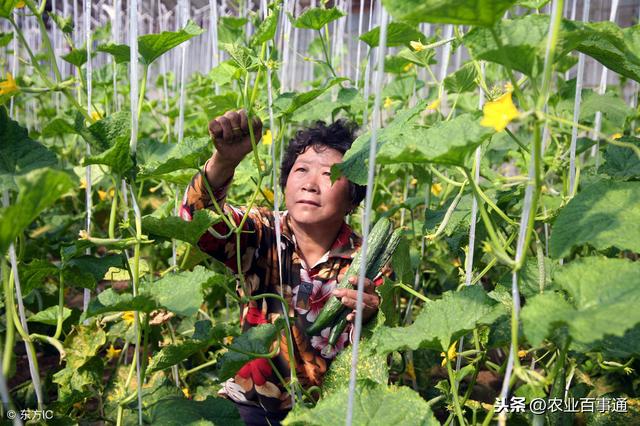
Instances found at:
x=311 y=199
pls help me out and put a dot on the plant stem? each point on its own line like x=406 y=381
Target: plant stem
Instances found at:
x=454 y=392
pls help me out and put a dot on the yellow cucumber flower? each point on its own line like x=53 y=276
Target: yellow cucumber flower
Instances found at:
x=433 y=105
x=450 y=355
x=499 y=113
x=616 y=136
x=436 y=189
x=20 y=4
x=388 y=102
x=407 y=67
x=417 y=46
x=112 y=353
x=128 y=317
x=9 y=86
x=267 y=139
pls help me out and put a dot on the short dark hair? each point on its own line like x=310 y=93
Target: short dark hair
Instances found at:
x=339 y=135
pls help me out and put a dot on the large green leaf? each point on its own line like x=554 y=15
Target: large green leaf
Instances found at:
x=178 y=411
x=6 y=7
x=288 y=103
x=316 y=18
x=604 y=214
x=83 y=343
x=616 y=48
x=620 y=162
x=374 y=404
x=121 y=52
x=18 y=153
x=152 y=46
x=462 y=80
x=522 y=42
x=87 y=271
x=118 y=157
x=398 y=34
x=77 y=57
x=403 y=141
x=257 y=340
x=50 y=315
x=354 y=162
x=37 y=191
x=180 y=292
x=603 y=298
x=5 y=39
x=175 y=227
x=111 y=301
x=461 y=12
x=441 y=322
x=204 y=337
x=156 y=158
x=267 y=28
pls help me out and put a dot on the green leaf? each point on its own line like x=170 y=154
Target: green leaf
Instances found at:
x=110 y=301
x=34 y=274
x=316 y=18
x=50 y=315
x=111 y=135
x=58 y=127
x=257 y=340
x=152 y=46
x=267 y=28
x=423 y=58
x=157 y=159
x=621 y=162
x=181 y=292
x=118 y=157
x=173 y=354
x=5 y=39
x=398 y=34
x=121 y=52
x=604 y=214
x=64 y=24
x=175 y=227
x=522 y=42
x=77 y=57
x=441 y=322
x=77 y=384
x=6 y=7
x=463 y=80
x=178 y=411
x=224 y=73
x=374 y=404
x=599 y=290
x=87 y=271
x=403 y=141
x=461 y=12
x=616 y=48
x=19 y=154
x=288 y=103
x=529 y=281
x=612 y=107
x=37 y=191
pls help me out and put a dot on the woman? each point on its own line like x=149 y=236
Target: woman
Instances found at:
x=317 y=248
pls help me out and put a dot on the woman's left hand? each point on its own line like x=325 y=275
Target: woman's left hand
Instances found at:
x=370 y=300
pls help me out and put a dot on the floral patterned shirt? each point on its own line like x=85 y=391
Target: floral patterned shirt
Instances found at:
x=306 y=288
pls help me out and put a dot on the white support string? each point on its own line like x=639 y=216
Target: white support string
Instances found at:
x=576 y=109
x=468 y=264
x=367 y=213
x=183 y=5
x=86 y=296
x=359 y=42
x=595 y=150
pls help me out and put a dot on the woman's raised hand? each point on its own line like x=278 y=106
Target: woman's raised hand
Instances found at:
x=231 y=137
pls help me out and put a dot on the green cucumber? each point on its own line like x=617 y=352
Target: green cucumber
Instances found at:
x=381 y=242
